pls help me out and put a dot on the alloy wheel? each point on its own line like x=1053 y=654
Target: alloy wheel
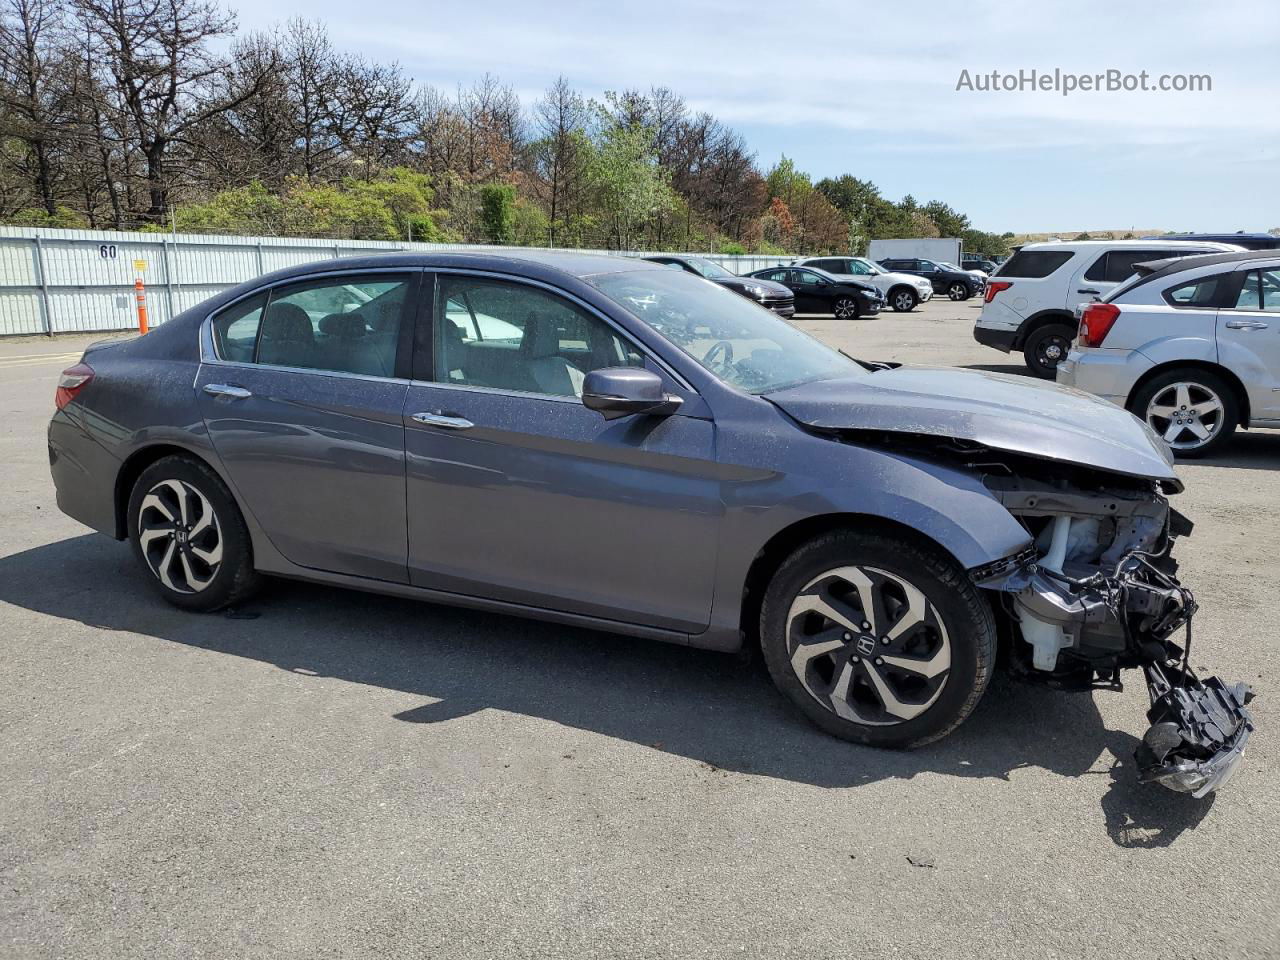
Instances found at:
x=180 y=536
x=1187 y=414
x=868 y=645
x=845 y=309
x=957 y=291
x=903 y=301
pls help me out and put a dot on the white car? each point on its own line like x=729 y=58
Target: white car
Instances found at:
x=1030 y=302
x=1190 y=345
x=902 y=291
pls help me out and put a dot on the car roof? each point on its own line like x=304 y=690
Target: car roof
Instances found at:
x=1121 y=244
x=1153 y=270
x=1169 y=265
x=1239 y=235
x=574 y=264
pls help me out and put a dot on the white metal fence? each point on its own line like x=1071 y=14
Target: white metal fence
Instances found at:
x=72 y=281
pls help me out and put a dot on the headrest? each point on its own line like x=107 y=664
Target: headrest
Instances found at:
x=346 y=326
x=287 y=321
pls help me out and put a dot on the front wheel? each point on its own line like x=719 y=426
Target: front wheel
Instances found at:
x=1194 y=410
x=845 y=308
x=877 y=640
x=958 y=291
x=189 y=535
x=903 y=300
x=1046 y=346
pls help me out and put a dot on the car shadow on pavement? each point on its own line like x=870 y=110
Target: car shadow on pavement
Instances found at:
x=693 y=703
x=1248 y=450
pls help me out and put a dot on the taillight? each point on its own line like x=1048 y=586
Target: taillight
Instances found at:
x=1096 y=322
x=73 y=380
x=994 y=287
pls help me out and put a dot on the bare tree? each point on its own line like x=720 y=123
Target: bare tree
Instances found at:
x=165 y=79
x=558 y=155
x=32 y=85
x=378 y=110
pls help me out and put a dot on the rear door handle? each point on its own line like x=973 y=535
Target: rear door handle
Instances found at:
x=1245 y=325
x=230 y=391
x=443 y=421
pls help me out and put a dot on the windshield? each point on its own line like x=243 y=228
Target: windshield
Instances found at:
x=712 y=271
x=871 y=267
x=949 y=266
x=742 y=343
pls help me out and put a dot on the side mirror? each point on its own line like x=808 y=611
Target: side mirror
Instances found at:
x=615 y=392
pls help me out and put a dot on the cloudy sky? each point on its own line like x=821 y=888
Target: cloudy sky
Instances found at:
x=870 y=89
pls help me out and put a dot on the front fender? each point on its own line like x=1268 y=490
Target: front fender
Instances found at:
x=810 y=477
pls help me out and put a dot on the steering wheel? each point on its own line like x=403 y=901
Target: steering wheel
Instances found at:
x=719 y=357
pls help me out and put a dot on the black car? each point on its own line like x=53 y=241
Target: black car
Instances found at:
x=1250 y=241
x=775 y=296
x=978 y=263
x=817 y=291
x=954 y=282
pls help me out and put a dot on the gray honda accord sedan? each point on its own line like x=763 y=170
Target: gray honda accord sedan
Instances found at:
x=606 y=442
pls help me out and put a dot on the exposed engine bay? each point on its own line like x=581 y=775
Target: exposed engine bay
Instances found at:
x=1097 y=594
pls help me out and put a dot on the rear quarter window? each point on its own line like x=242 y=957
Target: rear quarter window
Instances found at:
x=1034 y=264
x=1196 y=293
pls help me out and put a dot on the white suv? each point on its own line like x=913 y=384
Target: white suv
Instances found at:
x=902 y=291
x=1030 y=301
x=1191 y=345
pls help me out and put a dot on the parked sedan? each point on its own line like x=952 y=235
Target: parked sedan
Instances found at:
x=775 y=296
x=955 y=283
x=817 y=291
x=640 y=451
x=1189 y=344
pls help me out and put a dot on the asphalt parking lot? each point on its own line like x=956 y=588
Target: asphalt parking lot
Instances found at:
x=333 y=774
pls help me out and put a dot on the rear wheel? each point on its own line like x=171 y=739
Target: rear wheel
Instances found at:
x=876 y=639
x=189 y=535
x=845 y=308
x=1046 y=346
x=1194 y=410
x=903 y=299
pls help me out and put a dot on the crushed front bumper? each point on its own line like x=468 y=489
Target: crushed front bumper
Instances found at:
x=1097 y=594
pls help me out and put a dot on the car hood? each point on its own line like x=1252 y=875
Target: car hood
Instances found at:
x=741 y=283
x=1000 y=411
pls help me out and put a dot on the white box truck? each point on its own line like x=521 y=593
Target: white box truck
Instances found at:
x=938 y=249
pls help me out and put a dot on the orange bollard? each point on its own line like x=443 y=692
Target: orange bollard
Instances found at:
x=141 y=294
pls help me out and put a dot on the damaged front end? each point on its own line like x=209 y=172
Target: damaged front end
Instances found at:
x=1097 y=594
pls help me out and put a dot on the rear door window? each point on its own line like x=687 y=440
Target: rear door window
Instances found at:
x=1034 y=264
x=347 y=324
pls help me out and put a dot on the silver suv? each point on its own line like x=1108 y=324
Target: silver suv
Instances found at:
x=1030 y=301
x=1191 y=345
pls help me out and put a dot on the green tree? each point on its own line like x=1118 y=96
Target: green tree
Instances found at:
x=497 y=212
x=630 y=187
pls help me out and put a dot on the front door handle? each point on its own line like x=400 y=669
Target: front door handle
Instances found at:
x=1089 y=292
x=442 y=420
x=1245 y=325
x=230 y=391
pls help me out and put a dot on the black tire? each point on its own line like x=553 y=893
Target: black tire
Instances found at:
x=903 y=299
x=1045 y=346
x=845 y=308
x=178 y=546
x=958 y=291
x=1201 y=384
x=968 y=631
